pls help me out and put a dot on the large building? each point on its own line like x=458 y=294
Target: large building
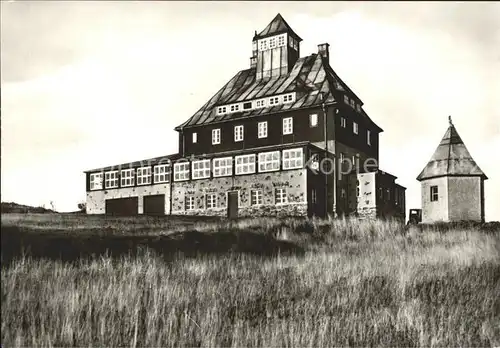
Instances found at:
x=285 y=136
x=452 y=184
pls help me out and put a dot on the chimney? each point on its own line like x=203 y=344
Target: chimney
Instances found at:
x=324 y=51
x=253 y=62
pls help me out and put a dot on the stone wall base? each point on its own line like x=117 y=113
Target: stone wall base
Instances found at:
x=280 y=210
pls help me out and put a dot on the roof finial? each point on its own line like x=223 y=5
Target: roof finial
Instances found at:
x=449 y=120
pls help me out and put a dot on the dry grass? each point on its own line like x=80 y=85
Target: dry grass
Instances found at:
x=358 y=284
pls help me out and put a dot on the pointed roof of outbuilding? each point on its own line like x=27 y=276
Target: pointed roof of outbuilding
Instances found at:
x=277 y=26
x=451 y=158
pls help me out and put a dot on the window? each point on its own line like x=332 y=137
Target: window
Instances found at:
x=262 y=129
x=288 y=98
x=342 y=193
x=181 y=171
x=215 y=136
x=96 y=181
x=355 y=127
x=358 y=107
x=221 y=110
x=341 y=157
x=255 y=197
x=269 y=161
x=368 y=137
x=357 y=191
x=287 y=125
x=342 y=122
x=313 y=120
x=223 y=166
x=313 y=196
x=260 y=103
x=111 y=179
x=211 y=201
x=235 y=107
x=273 y=100
x=388 y=192
x=380 y=192
x=434 y=193
x=281 y=40
x=353 y=161
x=201 y=169
x=189 y=203
x=346 y=99
x=245 y=164
x=161 y=173
x=272 y=42
x=238 y=133
x=263 y=45
x=144 y=176
x=127 y=177
x=292 y=159
x=291 y=42
x=195 y=138
x=247 y=105
x=353 y=103
x=280 y=196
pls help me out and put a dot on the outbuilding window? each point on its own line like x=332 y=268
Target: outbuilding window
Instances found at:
x=434 y=193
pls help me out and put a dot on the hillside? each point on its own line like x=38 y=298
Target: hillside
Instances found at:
x=150 y=282
x=11 y=207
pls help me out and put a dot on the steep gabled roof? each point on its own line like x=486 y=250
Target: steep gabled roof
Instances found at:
x=277 y=26
x=451 y=158
x=310 y=77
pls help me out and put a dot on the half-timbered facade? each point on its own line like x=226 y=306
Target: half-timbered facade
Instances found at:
x=286 y=136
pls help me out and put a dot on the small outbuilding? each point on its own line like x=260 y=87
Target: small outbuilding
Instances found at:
x=452 y=184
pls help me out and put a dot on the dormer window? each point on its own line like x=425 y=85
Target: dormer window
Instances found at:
x=273 y=101
x=260 y=103
x=287 y=98
x=247 y=105
x=221 y=110
x=346 y=99
x=235 y=107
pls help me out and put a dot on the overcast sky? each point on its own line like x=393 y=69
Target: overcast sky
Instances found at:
x=89 y=84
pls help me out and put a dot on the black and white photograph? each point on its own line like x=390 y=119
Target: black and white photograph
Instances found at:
x=250 y=174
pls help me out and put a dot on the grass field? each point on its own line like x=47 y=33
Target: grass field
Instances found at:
x=70 y=280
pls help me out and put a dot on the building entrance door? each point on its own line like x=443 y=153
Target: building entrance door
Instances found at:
x=232 y=204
